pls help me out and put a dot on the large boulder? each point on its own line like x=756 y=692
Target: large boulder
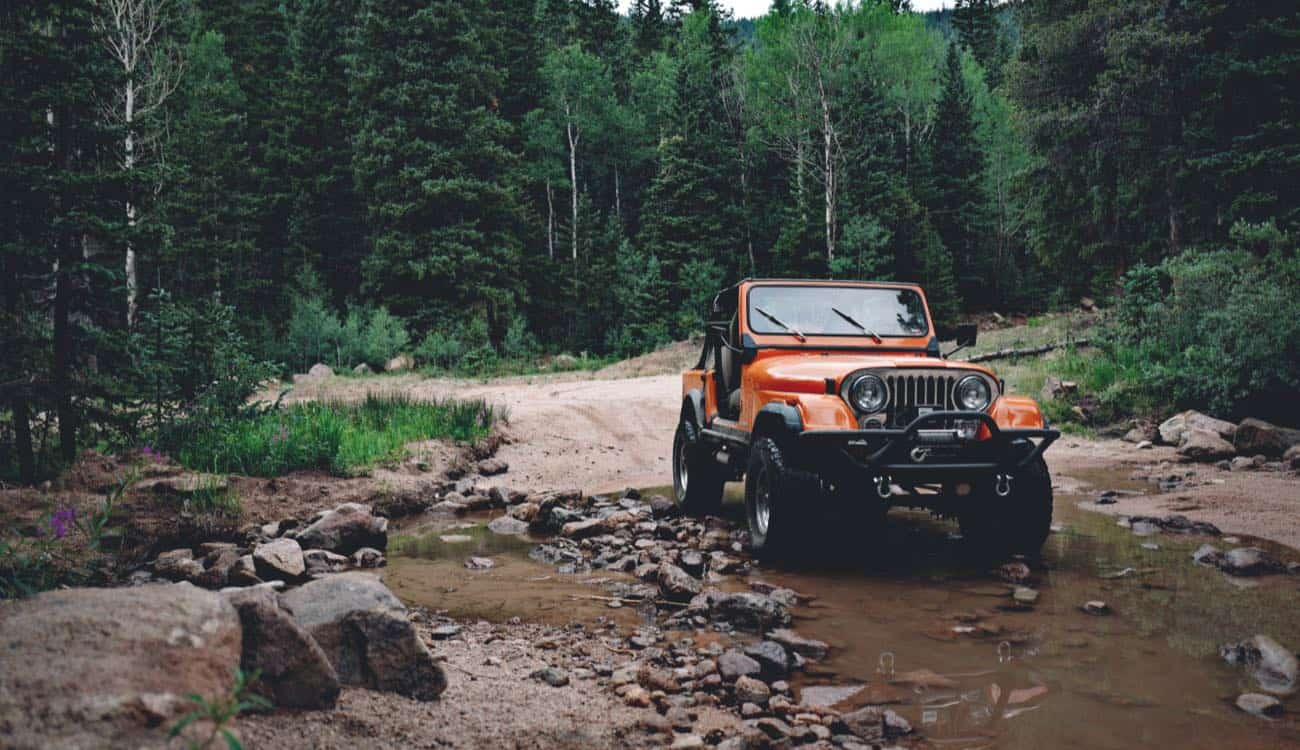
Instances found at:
x=91 y=668
x=399 y=363
x=292 y=669
x=320 y=370
x=1171 y=430
x=363 y=630
x=346 y=529
x=1204 y=445
x=750 y=611
x=1255 y=437
x=677 y=585
x=1274 y=666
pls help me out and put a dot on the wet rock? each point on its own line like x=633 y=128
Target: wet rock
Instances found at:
x=750 y=690
x=866 y=723
x=1248 y=561
x=1260 y=705
x=492 y=466
x=1024 y=595
x=662 y=507
x=721 y=562
x=553 y=676
x=1014 y=572
x=177 y=565
x=1274 y=667
x=363 y=630
x=280 y=559
x=1255 y=436
x=346 y=529
x=772 y=658
x=585 y=528
x=1172 y=430
x=1095 y=607
x=1176 y=524
x=1203 y=445
x=733 y=664
x=1144 y=528
x=775 y=729
x=219 y=565
x=795 y=643
x=895 y=724
x=749 y=611
x=322 y=561
x=292 y=669
x=90 y=668
x=507 y=526
x=676 y=584
x=825 y=696
x=243 y=572
x=479 y=563
x=1292 y=457
x=692 y=562
x=369 y=557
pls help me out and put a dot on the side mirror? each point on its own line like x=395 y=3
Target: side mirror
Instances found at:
x=748 y=349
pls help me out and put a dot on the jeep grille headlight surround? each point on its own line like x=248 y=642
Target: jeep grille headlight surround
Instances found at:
x=869 y=394
x=972 y=393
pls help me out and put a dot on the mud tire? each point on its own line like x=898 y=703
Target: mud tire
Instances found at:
x=697 y=477
x=1016 y=524
x=769 y=513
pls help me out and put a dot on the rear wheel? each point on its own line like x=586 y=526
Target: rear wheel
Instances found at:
x=768 y=510
x=697 y=476
x=1017 y=523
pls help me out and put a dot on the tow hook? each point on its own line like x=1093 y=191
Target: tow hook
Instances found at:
x=883 y=487
x=1003 y=485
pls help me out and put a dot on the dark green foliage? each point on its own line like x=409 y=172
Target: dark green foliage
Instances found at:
x=956 y=185
x=431 y=161
x=1217 y=329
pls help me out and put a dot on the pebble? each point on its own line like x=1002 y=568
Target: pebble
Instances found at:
x=552 y=676
x=1258 y=704
x=479 y=563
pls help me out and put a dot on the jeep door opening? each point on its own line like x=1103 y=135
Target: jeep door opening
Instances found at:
x=834 y=398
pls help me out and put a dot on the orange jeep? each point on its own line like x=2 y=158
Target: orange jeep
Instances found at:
x=835 y=396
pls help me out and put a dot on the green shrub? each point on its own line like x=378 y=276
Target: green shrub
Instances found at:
x=1216 y=330
x=343 y=438
x=384 y=337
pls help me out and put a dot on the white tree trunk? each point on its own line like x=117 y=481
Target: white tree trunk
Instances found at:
x=573 y=180
x=550 y=222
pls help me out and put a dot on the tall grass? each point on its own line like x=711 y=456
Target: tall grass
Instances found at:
x=344 y=438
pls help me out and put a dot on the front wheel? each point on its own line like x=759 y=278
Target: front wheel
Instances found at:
x=1017 y=523
x=768 y=511
x=697 y=477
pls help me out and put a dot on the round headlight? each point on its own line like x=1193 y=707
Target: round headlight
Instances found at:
x=973 y=393
x=869 y=394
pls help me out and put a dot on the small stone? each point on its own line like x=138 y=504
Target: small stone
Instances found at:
x=1095 y=607
x=750 y=710
x=445 y=631
x=492 y=466
x=479 y=563
x=792 y=641
x=637 y=697
x=750 y=690
x=552 y=676
x=687 y=742
x=1259 y=704
x=322 y=561
x=507 y=526
x=772 y=657
x=733 y=664
x=774 y=728
x=1024 y=595
x=369 y=557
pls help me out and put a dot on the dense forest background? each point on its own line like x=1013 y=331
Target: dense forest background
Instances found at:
x=200 y=193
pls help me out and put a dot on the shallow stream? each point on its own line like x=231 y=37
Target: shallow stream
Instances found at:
x=925 y=628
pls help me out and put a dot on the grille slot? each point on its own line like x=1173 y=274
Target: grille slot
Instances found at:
x=910 y=392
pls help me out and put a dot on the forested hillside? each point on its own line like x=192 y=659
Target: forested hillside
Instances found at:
x=199 y=194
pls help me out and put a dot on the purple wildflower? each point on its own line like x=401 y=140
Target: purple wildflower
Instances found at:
x=151 y=454
x=62 y=520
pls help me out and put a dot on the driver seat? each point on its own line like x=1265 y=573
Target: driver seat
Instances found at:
x=728 y=373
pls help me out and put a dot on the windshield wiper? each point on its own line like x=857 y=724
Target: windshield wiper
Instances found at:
x=788 y=328
x=875 y=336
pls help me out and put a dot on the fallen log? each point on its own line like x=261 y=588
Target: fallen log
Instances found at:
x=1026 y=352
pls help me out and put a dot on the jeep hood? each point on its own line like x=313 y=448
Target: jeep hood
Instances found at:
x=806 y=372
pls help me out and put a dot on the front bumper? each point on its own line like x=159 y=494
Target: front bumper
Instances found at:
x=927 y=450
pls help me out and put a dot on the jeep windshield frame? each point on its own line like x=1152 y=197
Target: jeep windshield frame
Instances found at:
x=891 y=312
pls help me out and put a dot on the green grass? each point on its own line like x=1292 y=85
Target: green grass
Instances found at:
x=345 y=438
x=501 y=367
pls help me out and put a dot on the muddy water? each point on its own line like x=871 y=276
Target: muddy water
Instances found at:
x=922 y=626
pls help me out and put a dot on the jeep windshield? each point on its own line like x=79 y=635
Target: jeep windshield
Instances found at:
x=818 y=310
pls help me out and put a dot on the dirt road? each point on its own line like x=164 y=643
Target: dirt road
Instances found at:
x=602 y=432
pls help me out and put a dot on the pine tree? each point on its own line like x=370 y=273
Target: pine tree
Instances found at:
x=429 y=157
x=956 y=179
x=327 y=220
x=980 y=32
x=649 y=29
x=692 y=210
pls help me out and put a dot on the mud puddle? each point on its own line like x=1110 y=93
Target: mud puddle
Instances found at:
x=921 y=626
x=428 y=567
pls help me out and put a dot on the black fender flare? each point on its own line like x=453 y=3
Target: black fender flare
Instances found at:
x=779 y=421
x=693 y=407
